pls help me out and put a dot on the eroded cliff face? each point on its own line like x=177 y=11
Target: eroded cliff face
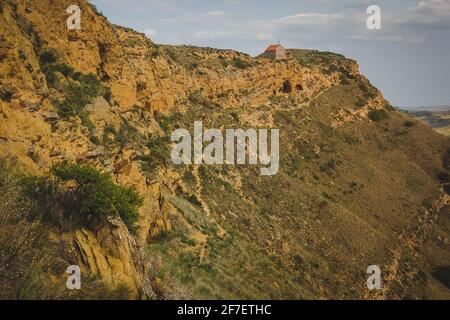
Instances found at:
x=150 y=84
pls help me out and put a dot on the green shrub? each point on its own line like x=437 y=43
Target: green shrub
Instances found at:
x=194 y=200
x=127 y=133
x=189 y=177
x=241 y=64
x=299 y=262
x=48 y=57
x=107 y=131
x=97 y=194
x=196 y=98
x=368 y=90
x=443 y=177
x=166 y=123
x=153 y=54
x=95 y=140
x=107 y=94
x=49 y=66
x=446 y=160
x=235 y=116
x=80 y=90
x=80 y=93
x=77 y=97
x=409 y=124
x=27 y=28
x=160 y=154
x=378 y=115
x=46 y=61
x=360 y=103
x=345 y=80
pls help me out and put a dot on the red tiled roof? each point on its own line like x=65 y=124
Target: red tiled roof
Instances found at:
x=273 y=47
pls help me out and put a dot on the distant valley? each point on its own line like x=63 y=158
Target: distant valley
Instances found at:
x=437 y=118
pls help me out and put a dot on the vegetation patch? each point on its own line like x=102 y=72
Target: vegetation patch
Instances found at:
x=378 y=115
x=127 y=133
x=160 y=154
x=310 y=58
x=241 y=64
x=97 y=194
x=79 y=90
x=80 y=195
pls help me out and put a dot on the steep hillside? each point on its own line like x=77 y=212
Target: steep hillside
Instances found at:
x=359 y=182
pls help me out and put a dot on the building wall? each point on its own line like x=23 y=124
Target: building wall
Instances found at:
x=271 y=54
x=280 y=53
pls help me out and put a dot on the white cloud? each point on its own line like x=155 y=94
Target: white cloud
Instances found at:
x=264 y=36
x=307 y=18
x=139 y=5
x=203 y=34
x=215 y=13
x=150 y=32
x=231 y=2
x=214 y=35
x=431 y=13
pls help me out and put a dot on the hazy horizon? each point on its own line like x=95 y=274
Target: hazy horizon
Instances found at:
x=428 y=108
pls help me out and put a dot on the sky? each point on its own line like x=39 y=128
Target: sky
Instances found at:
x=408 y=59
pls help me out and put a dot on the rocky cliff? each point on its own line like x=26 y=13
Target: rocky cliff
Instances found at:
x=357 y=178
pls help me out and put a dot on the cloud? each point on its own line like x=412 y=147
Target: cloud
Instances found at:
x=199 y=18
x=216 y=35
x=204 y=34
x=232 y=2
x=264 y=36
x=428 y=13
x=215 y=13
x=308 y=19
x=139 y=5
x=410 y=25
x=150 y=32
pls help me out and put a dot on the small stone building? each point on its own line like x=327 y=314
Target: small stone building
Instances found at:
x=275 y=52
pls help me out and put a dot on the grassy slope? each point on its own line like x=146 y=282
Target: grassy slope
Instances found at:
x=312 y=230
